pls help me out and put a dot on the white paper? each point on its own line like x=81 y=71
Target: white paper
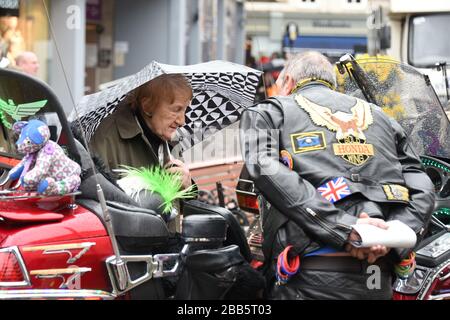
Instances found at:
x=398 y=235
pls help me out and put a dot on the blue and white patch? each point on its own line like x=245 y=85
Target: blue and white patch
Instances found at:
x=308 y=141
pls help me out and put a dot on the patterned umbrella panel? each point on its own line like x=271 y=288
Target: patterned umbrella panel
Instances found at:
x=221 y=91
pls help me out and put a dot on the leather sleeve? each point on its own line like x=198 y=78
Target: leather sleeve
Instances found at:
x=293 y=196
x=417 y=213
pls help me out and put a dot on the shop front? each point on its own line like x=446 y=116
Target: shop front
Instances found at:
x=24 y=27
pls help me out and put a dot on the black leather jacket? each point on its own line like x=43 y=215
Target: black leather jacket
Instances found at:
x=325 y=135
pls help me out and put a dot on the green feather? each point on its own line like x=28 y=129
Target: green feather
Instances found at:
x=156 y=179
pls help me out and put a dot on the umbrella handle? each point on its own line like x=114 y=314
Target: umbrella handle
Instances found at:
x=168 y=152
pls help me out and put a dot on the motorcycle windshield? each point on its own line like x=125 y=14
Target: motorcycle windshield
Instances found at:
x=406 y=95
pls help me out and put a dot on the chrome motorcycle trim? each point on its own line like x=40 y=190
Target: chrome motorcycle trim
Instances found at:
x=246 y=192
x=64 y=249
x=402 y=286
x=4 y=178
x=197 y=240
x=57 y=276
x=67 y=246
x=120 y=277
x=444 y=180
x=16 y=186
x=250 y=189
x=54 y=294
x=31 y=195
x=245 y=180
x=117 y=264
x=58 y=272
x=162 y=258
x=85 y=249
x=438 y=223
x=443 y=278
x=429 y=281
x=444 y=296
x=437 y=247
x=26 y=282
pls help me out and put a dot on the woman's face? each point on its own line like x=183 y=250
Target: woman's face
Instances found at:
x=165 y=118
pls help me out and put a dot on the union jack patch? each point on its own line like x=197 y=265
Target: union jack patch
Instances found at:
x=335 y=189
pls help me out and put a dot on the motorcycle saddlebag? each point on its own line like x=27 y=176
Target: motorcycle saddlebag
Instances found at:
x=214 y=274
x=137 y=230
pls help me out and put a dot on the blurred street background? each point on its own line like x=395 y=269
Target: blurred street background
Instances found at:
x=97 y=42
x=100 y=41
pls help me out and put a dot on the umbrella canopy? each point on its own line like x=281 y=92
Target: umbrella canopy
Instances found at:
x=221 y=91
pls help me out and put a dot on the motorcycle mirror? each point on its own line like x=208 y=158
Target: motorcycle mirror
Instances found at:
x=346 y=58
x=340 y=67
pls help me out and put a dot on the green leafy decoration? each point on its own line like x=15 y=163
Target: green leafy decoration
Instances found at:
x=168 y=185
x=4 y=120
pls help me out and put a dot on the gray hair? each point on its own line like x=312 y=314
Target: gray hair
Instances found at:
x=309 y=64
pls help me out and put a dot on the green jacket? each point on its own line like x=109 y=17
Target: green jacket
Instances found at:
x=119 y=140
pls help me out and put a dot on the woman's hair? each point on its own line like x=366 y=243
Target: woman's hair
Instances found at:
x=164 y=88
x=310 y=64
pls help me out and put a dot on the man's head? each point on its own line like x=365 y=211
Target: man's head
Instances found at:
x=306 y=65
x=163 y=102
x=28 y=62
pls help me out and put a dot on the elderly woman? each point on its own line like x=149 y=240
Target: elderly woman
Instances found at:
x=138 y=132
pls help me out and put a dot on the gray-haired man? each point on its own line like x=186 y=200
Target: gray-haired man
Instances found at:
x=326 y=161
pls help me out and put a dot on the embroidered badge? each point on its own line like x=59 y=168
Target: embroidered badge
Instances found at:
x=19 y=111
x=308 y=141
x=349 y=127
x=335 y=189
x=396 y=192
x=286 y=159
x=355 y=153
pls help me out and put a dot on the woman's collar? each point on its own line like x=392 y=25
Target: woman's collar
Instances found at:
x=127 y=123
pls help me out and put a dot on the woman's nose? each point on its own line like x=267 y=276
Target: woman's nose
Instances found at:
x=181 y=119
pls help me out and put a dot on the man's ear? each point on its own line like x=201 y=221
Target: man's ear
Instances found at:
x=289 y=84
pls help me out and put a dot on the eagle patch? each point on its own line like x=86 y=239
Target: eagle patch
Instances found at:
x=349 y=128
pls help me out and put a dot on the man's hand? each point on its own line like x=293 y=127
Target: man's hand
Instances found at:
x=364 y=218
x=175 y=166
x=372 y=253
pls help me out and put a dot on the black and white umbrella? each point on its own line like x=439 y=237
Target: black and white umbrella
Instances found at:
x=221 y=91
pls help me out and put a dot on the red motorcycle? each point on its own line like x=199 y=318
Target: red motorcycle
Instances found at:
x=97 y=243
x=407 y=95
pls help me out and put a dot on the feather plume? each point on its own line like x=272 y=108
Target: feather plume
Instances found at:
x=154 y=180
